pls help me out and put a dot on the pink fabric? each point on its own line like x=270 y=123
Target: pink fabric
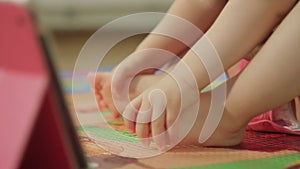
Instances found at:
x=266 y=122
x=278 y=120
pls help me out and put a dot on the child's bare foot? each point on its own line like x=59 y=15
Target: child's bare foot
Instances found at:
x=226 y=134
x=102 y=88
x=151 y=122
x=229 y=132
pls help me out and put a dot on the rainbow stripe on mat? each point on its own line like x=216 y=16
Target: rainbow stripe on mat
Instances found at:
x=81 y=85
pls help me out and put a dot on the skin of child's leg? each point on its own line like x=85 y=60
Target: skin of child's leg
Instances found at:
x=199 y=13
x=102 y=86
x=202 y=14
x=262 y=83
x=102 y=89
x=235 y=35
x=211 y=9
x=272 y=77
x=228 y=132
x=263 y=15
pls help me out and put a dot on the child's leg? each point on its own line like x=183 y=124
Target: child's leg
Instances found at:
x=233 y=35
x=270 y=80
x=272 y=77
x=241 y=26
x=227 y=133
x=200 y=15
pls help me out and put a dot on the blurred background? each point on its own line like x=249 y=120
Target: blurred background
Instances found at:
x=67 y=24
x=63 y=27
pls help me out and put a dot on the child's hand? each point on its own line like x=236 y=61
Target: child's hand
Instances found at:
x=156 y=113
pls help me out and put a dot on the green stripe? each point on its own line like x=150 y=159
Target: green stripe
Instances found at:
x=109 y=133
x=274 y=162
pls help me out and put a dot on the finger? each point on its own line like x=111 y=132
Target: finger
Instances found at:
x=130 y=125
x=159 y=134
x=142 y=127
x=172 y=128
x=130 y=114
x=158 y=119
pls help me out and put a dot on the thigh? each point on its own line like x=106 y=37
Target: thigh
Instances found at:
x=242 y=25
x=272 y=77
